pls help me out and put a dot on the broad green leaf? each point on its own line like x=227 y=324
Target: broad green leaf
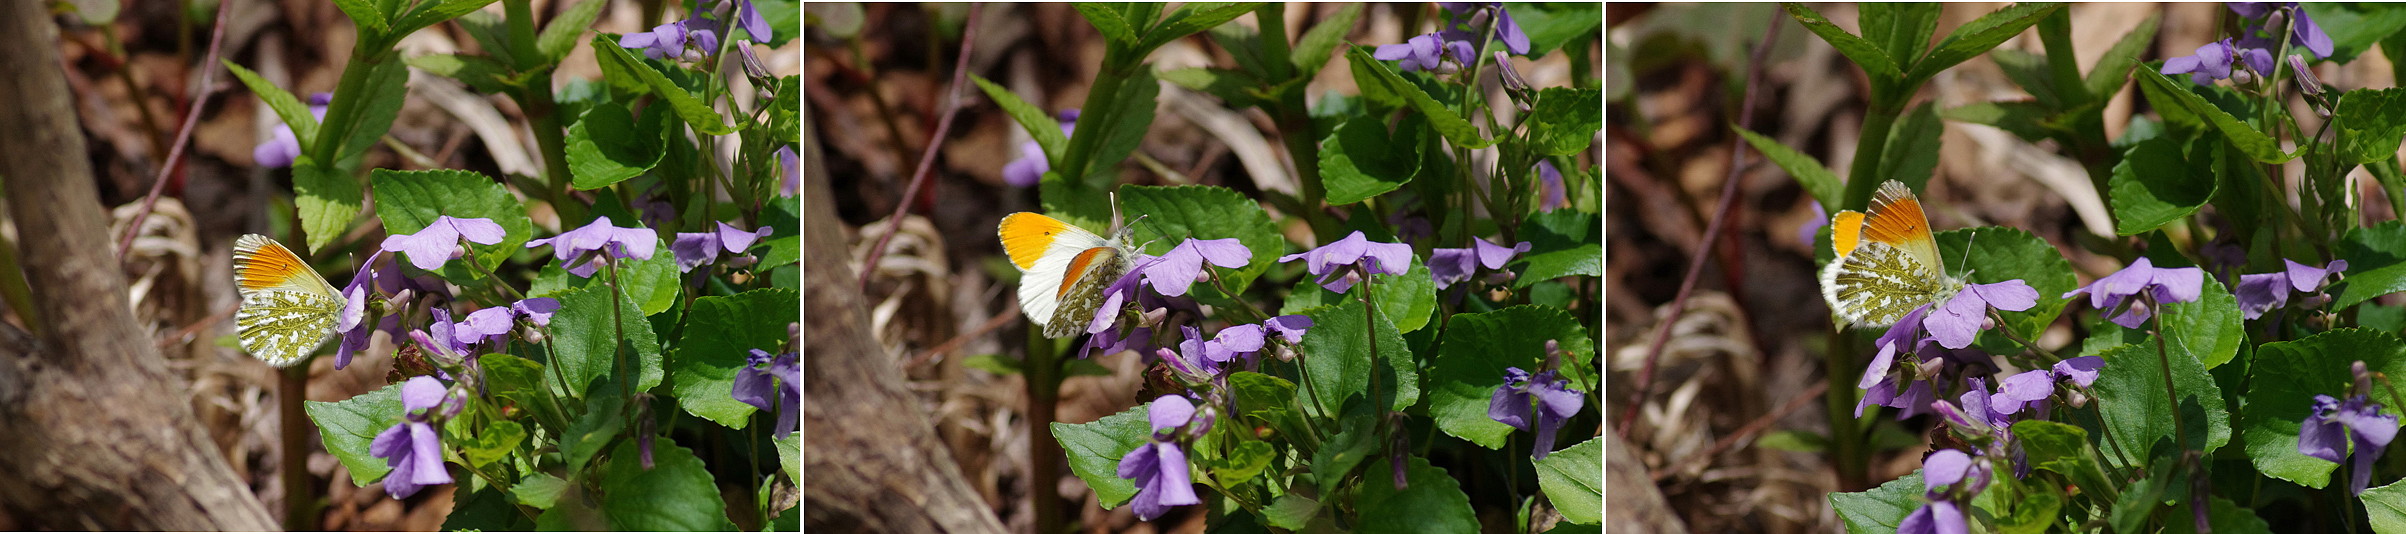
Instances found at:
x=1913 y=147
x=1312 y=49
x=430 y=13
x=1879 y=509
x=1340 y=350
x=2376 y=258
x=1866 y=54
x=694 y=110
x=1471 y=359
x=540 y=490
x=2386 y=507
x=2130 y=392
x=349 y=425
x=1118 y=125
x=2281 y=389
x=1586 y=260
x=2209 y=328
x=1292 y=511
x=2371 y=123
x=327 y=199
x=1173 y=214
x=1095 y=449
x=1264 y=400
x=1195 y=17
x=2032 y=73
x=586 y=342
x=559 y=36
x=719 y=335
x=1978 y=36
x=2061 y=448
x=366 y=106
x=1996 y=254
x=2353 y=27
x=484 y=510
x=1432 y=501
x=408 y=201
x=1361 y=159
x=1242 y=464
x=1040 y=125
x=1573 y=479
x=674 y=493
x=492 y=443
x=365 y=14
x=595 y=429
x=2113 y=69
x=480 y=72
x=2032 y=511
x=789 y=456
x=1109 y=21
x=1817 y=179
x=1553 y=25
x=1902 y=29
x=1369 y=72
x=2155 y=184
x=607 y=146
x=1565 y=120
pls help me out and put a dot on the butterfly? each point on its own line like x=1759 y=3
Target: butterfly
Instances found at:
x=1886 y=264
x=1064 y=269
x=287 y=308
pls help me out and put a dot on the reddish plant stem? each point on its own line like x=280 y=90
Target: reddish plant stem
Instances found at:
x=927 y=157
x=183 y=134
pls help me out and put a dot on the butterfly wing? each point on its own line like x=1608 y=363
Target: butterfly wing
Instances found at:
x=1896 y=219
x=1877 y=284
x=1052 y=257
x=287 y=308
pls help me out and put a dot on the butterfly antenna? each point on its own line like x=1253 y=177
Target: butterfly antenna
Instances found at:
x=1966 y=260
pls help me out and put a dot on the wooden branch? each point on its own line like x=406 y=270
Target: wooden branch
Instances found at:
x=872 y=458
x=97 y=432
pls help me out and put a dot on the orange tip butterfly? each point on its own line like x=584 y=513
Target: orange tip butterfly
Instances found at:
x=287 y=308
x=1886 y=262
x=1063 y=269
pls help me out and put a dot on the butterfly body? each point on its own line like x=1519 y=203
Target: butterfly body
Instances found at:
x=1064 y=270
x=1886 y=261
x=287 y=308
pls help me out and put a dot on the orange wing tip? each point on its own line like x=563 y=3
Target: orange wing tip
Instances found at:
x=266 y=264
x=1846 y=231
x=1025 y=236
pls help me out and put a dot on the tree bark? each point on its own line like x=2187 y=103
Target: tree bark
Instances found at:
x=94 y=430
x=872 y=460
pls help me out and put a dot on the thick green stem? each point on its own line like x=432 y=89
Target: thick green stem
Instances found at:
x=1846 y=447
x=1043 y=374
x=1864 y=174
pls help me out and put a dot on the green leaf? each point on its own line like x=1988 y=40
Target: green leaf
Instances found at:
x=492 y=443
x=1292 y=511
x=2371 y=123
x=1371 y=73
x=540 y=490
x=479 y=72
x=1432 y=501
x=1176 y=213
x=2113 y=69
x=2209 y=328
x=1573 y=479
x=2061 y=448
x=365 y=14
x=2281 y=389
x=290 y=109
x=1405 y=299
x=1040 y=125
x=1874 y=60
x=362 y=111
x=1586 y=260
x=2376 y=258
x=599 y=425
x=1239 y=89
x=653 y=282
x=429 y=14
x=1565 y=120
x=559 y=36
x=1312 y=49
x=2005 y=253
x=2155 y=184
x=327 y=199
x=607 y=146
x=1117 y=128
x=1244 y=463
x=789 y=456
x=1361 y=159
x=2032 y=73
x=349 y=425
x=1817 y=179
x=1340 y=349
x=2130 y=392
x=586 y=343
x=2386 y=507
x=1107 y=19
x=694 y=110
x=484 y=510
x=1095 y=448
x=408 y=201
x=1553 y=25
x=674 y=493
x=1195 y=17
x=1978 y=36
x=719 y=335
x=1902 y=29
x=1264 y=399
x=1471 y=360
x=2224 y=516
x=2255 y=144
x=1913 y=147
x=2031 y=512
x=1879 y=509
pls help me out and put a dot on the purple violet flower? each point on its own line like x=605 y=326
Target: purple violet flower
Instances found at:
x=2259 y=293
x=2258 y=33
x=1450 y=266
x=1506 y=30
x=1331 y=262
x=439 y=242
x=1955 y=323
x=1290 y=327
x=1549 y=180
x=771 y=384
x=1028 y=170
x=283 y=146
x=2333 y=427
x=1425 y=52
x=1159 y=466
x=1556 y=402
x=1941 y=473
x=599 y=241
x=694 y=249
x=1181 y=267
x=411 y=447
x=2163 y=286
x=792 y=183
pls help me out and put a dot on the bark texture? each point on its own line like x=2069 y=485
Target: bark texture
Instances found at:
x=94 y=434
x=871 y=459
